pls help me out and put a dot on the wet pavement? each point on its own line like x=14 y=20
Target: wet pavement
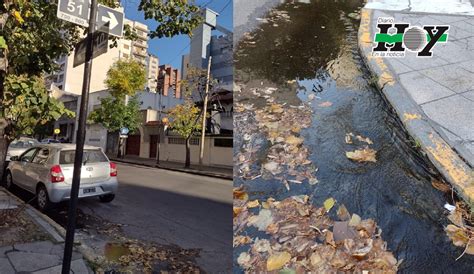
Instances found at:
x=304 y=57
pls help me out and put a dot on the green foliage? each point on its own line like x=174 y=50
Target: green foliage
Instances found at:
x=29 y=105
x=125 y=77
x=113 y=114
x=174 y=16
x=184 y=119
x=195 y=83
x=35 y=36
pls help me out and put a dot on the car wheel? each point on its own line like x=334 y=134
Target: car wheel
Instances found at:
x=42 y=198
x=9 y=181
x=107 y=198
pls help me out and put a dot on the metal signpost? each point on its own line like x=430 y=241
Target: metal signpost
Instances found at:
x=101 y=42
x=78 y=12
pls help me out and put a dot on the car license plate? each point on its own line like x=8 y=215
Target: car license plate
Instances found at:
x=88 y=190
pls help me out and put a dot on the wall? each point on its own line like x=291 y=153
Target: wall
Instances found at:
x=213 y=155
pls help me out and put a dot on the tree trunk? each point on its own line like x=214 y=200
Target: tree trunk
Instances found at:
x=3 y=147
x=120 y=144
x=188 y=153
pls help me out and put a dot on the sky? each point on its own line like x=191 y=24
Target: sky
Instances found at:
x=170 y=50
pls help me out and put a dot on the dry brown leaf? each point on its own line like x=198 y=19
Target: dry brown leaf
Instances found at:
x=253 y=204
x=343 y=213
x=278 y=260
x=365 y=140
x=293 y=140
x=457 y=235
x=362 y=155
x=440 y=186
x=237 y=211
x=241 y=240
x=325 y=104
x=239 y=194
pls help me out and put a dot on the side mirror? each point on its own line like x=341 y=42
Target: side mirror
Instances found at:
x=14 y=158
x=25 y=159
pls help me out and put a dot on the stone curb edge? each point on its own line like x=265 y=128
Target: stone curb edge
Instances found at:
x=57 y=232
x=441 y=155
x=190 y=171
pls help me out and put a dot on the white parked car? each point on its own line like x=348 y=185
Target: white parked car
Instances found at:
x=20 y=145
x=46 y=170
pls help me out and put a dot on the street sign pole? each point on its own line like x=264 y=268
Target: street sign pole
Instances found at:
x=80 y=138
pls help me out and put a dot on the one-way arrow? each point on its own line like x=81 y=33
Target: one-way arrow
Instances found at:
x=112 y=19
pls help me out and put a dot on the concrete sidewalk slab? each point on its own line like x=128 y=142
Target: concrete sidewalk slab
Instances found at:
x=432 y=96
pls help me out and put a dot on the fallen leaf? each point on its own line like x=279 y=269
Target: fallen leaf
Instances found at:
x=241 y=240
x=293 y=140
x=329 y=203
x=239 y=194
x=244 y=260
x=325 y=104
x=456 y=218
x=272 y=167
x=330 y=238
x=237 y=211
x=408 y=117
x=342 y=231
x=278 y=260
x=362 y=139
x=262 y=245
x=343 y=214
x=362 y=155
x=440 y=186
x=355 y=220
x=348 y=138
x=263 y=219
x=253 y=204
x=457 y=235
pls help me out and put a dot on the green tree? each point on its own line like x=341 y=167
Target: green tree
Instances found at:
x=114 y=114
x=125 y=77
x=184 y=119
x=32 y=37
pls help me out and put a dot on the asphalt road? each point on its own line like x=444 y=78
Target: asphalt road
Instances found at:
x=173 y=208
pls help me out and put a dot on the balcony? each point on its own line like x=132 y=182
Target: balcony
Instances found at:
x=141 y=44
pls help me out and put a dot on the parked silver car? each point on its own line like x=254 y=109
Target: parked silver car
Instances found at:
x=46 y=170
x=20 y=145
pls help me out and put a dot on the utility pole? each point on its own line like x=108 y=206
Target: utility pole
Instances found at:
x=80 y=138
x=204 y=111
x=160 y=89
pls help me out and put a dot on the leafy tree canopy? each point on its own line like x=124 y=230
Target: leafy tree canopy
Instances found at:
x=114 y=114
x=125 y=77
x=184 y=119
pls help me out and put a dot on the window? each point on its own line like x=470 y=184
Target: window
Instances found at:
x=28 y=155
x=126 y=46
x=41 y=157
x=60 y=87
x=90 y=156
x=60 y=78
x=182 y=141
x=126 y=55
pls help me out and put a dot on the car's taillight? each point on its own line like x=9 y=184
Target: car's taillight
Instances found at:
x=113 y=169
x=56 y=174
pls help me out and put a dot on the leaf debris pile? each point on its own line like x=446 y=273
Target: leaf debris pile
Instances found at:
x=303 y=238
x=461 y=231
x=281 y=125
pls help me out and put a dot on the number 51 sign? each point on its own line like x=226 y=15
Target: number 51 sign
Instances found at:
x=74 y=11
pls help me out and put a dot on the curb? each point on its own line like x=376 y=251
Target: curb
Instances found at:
x=190 y=171
x=57 y=232
x=414 y=120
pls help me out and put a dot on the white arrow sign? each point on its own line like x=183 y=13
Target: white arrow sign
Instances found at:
x=110 y=18
x=114 y=17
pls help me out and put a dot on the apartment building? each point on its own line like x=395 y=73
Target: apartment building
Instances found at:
x=211 y=39
x=152 y=65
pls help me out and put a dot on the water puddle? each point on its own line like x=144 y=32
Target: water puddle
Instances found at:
x=304 y=101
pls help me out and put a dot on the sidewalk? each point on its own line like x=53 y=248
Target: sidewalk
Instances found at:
x=434 y=97
x=218 y=172
x=27 y=244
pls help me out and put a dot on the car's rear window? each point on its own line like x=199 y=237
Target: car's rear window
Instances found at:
x=90 y=156
x=23 y=143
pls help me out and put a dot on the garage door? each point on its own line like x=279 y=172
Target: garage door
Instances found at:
x=133 y=145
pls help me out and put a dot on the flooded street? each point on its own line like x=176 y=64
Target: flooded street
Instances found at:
x=305 y=100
